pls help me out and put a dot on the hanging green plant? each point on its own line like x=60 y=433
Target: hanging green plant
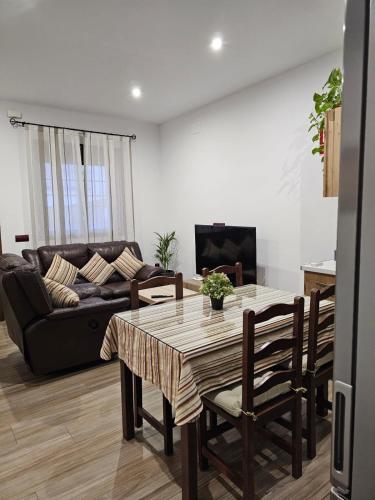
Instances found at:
x=330 y=98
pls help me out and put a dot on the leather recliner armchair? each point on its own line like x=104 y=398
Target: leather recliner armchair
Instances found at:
x=53 y=339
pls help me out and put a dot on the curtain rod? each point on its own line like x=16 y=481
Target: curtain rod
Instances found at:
x=15 y=123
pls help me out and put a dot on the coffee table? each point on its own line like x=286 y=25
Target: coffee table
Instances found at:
x=193 y=284
x=146 y=294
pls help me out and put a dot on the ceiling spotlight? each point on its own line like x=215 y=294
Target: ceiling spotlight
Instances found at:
x=136 y=92
x=216 y=43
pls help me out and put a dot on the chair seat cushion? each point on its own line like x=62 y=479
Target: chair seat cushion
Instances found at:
x=230 y=398
x=320 y=362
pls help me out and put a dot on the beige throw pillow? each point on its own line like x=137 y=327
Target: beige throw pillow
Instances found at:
x=97 y=270
x=62 y=271
x=61 y=295
x=127 y=264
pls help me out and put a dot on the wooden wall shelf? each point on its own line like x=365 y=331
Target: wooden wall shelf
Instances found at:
x=332 y=137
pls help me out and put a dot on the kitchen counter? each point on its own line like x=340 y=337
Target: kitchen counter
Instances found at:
x=324 y=267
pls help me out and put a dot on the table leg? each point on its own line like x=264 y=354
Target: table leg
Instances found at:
x=189 y=461
x=128 y=430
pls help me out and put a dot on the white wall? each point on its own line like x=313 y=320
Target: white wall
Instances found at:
x=246 y=160
x=146 y=165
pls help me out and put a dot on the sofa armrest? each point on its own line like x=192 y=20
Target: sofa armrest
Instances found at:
x=148 y=272
x=89 y=306
x=12 y=261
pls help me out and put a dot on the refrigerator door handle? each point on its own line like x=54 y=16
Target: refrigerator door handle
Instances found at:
x=341 y=454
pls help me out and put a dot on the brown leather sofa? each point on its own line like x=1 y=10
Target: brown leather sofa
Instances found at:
x=55 y=339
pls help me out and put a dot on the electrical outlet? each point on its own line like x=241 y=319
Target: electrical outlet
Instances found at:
x=14 y=114
x=21 y=237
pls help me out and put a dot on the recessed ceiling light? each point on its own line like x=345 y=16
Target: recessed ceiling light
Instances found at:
x=136 y=92
x=216 y=43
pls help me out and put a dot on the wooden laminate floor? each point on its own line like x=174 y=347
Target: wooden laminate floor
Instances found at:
x=60 y=438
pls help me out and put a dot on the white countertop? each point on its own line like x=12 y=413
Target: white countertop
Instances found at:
x=324 y=267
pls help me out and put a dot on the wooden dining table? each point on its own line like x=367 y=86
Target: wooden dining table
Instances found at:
x=187 y=349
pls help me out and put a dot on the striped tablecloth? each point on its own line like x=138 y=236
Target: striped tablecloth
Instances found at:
x=187 y=349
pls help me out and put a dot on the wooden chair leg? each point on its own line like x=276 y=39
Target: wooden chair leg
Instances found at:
x=297 y=438
x=127 y=401
x=321 y=398
x=248 y=458
x=137 y=381
x=213 y=420
x=168 y=427
x=311 y=421
x=202 y=438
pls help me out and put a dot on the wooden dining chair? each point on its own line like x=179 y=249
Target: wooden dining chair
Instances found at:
x=251 y=404
x=317 y=367
x=236 y=269
x=166 y=426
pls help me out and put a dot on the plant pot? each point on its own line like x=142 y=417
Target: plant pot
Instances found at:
x=217 y=304
x=169 y=273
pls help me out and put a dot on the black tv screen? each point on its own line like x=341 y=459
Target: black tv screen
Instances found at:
x=218 y=245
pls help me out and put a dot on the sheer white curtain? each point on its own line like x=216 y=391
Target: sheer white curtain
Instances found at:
x=79 y=195
x=121 y=174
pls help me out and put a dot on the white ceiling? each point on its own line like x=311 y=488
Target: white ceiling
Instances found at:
x=86 y=54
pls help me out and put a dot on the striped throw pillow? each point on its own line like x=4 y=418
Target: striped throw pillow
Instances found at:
x=62 y=271
x=97 y=270
x=61 y=295
x=127 y=264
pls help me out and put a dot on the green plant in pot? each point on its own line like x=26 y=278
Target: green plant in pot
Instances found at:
x=217 y=286
x=165 y=248
x=330 y=98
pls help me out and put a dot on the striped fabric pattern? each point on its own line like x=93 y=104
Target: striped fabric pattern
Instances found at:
x=127 y=264
x=62 y=271
x=61 y=295
x=187 y=349
x=97 y=270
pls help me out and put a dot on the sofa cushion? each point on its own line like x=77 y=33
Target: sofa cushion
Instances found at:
x=76 y=254
x=105 y=292
x=97 y=270
x=61 y=295
x=148 y=272
x=112 y=249
x=11 y=262
x=32 y=256
x=85 y=290
x=127 y=264
x=62 y=271
x=120 y=289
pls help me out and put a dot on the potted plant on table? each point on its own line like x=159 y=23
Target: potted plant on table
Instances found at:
x=165 y=250
x=217 y=286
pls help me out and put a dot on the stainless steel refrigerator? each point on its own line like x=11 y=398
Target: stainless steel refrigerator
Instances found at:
x=353 y=438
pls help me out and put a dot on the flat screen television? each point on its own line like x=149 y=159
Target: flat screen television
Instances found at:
x=219 y=244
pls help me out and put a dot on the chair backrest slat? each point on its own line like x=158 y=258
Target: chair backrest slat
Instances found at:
x=324 y=349
x=326 y=322
x=272 y=347
x=135 y=286
x=236 y=269
x=273 y=379
x=314 y=325
x=249 y=357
